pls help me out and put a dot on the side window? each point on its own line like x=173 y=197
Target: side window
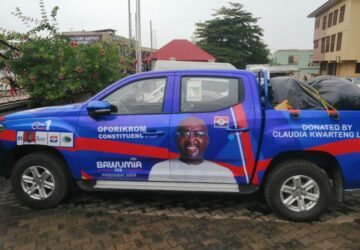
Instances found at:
x=206 y=94
x=141 y=97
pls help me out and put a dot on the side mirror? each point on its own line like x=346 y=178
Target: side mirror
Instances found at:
x=96 y=108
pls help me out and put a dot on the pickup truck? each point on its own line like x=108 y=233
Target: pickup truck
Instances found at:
x=206 y=131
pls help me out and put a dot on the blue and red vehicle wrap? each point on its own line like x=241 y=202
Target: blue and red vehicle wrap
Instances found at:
x=88 y=144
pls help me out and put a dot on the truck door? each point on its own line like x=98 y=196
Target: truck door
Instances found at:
x=211 y=129
x=125 y=144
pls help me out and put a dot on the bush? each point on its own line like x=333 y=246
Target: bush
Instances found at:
x=53 y=69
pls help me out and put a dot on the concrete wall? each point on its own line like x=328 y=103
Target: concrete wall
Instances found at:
x=347 y=69
x=304 y=65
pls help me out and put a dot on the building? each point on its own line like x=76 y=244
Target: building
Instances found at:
x=302 y=60
x=126 y=46
x=337 y=37
x=179 y=50
x=87 y=37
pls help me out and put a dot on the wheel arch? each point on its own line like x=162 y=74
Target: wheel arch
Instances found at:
x=21 y=151
x=323 y=160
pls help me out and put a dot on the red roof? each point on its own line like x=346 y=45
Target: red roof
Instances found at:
x=180 y=50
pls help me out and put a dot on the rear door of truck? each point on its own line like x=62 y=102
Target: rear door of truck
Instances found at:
x=223 y=101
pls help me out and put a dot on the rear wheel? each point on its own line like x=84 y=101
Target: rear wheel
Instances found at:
x=40 y=180
x=298 y=190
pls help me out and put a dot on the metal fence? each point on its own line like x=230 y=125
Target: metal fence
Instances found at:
x=11 y=98
x=8 y=94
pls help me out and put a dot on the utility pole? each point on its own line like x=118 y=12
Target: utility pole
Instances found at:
x=130 y=24
x=151 y=37
x=138 y=36
x=155 y=39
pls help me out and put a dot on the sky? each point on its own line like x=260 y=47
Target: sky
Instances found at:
x=285 y=22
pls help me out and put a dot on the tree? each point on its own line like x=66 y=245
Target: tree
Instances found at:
x=51 y=67
x=233 y=36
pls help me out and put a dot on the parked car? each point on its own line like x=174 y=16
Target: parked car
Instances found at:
x=198 y=137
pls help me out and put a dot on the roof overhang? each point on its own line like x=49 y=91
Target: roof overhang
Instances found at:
x=323 y=8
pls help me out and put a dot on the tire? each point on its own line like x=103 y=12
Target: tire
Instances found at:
x=40 y=180
x=298 y=190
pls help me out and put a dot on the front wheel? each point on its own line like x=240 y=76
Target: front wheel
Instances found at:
x=40 y=180
x=298 y=190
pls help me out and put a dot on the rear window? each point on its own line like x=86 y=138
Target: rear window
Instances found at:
x=207 y=94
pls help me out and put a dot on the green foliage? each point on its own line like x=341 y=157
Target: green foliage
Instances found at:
x=53 y=69
x=233 y=36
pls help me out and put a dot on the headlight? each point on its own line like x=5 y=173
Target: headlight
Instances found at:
x=2 y=127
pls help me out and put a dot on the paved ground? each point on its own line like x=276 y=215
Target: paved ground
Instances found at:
x=135 y=220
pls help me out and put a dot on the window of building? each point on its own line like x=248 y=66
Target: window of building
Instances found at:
x=207 y=94
x=338 y=43
x=342 y=14
x=335 y=17
x=327 y=44
x=310 y=64
x=331 y=69
x=357 y=68
x=141 y=97
x=324 y=22
x=323 y=40
x=293 y=59
x=323 y=67
x=316 y=44
x=317 y=23
x=332 y=46
x=330 y=20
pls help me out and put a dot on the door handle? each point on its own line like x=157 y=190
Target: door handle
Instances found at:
x=153 y=133
x=234 y=130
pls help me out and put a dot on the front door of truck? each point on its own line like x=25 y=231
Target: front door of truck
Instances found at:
x=211 y=129
x=125 y=144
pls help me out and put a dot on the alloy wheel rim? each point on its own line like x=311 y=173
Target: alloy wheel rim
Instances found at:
x=38 y=182
x=300 y=193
